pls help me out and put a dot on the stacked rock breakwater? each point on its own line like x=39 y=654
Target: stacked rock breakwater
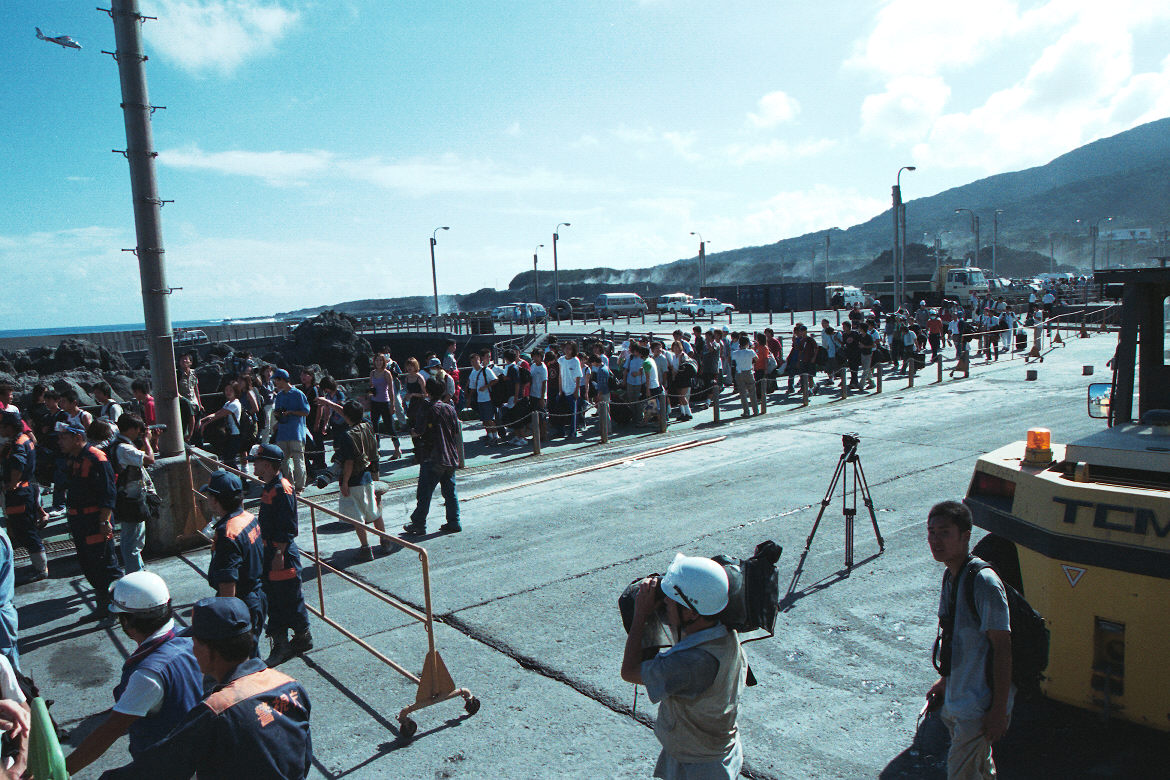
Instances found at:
x=326 y=343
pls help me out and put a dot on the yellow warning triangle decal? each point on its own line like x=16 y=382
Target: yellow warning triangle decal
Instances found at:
x=1073 y=573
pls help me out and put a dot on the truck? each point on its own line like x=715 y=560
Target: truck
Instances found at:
x=955 y=283
x=1082 y=529
x=672 y=302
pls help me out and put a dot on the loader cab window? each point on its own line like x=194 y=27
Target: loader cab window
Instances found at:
x=959 y=277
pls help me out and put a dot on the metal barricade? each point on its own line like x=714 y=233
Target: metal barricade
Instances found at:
x=435 y=684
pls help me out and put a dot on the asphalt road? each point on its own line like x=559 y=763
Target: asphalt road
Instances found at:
x=526 y=610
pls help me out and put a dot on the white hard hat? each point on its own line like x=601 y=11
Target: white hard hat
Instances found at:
x=697 y=583
x=139 y=593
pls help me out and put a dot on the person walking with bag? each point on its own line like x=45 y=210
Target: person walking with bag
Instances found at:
x=136 y=500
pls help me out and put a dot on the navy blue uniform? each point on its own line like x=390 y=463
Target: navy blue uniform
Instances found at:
x=20 y=502
x=89 y=490
x=279 y=525
x=254 y=725
x=171 y=659
x=237 y=555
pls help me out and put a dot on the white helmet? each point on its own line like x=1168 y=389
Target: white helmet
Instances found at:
x=697 y=583
x=140 y=593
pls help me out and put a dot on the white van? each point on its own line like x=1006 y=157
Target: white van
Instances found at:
x=620 y=304
x=849 y=294
x=672 y=302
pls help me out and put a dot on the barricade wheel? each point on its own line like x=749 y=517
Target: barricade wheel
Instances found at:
x=472 y=706
x=407 y=729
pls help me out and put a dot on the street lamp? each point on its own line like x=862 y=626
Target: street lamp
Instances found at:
x=974 y=234
x=556 y=277
x=995 y=241
x=434 y=277
x=899 y=251
x=1094 y=229
x=702 y=261
x=535 y=278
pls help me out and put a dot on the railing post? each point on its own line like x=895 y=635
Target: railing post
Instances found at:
x=534 y=422
x=911 y=372
x=878 y=374
x=762 y=395
x=715 y=388
x=603 y=420
x=662 y=407
x=844 y=384
x=804 y=389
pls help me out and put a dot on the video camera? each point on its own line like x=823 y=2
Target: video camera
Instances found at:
x=752 y=600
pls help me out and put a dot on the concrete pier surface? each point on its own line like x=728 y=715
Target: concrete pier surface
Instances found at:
x=526 y=598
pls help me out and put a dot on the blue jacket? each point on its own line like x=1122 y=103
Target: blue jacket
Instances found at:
x=237 y=554
x=254 y=725
x=90 y=488
x=171 y=659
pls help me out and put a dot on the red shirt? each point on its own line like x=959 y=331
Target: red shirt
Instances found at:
x=148 y=410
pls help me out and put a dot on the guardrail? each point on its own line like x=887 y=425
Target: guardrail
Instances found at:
x=435 y=684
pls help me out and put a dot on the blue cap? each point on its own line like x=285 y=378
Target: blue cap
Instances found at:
x=222 y=483
x=71 y=427
x=219 y=617
x=434 y=363
x=269 y=452
x=280 y=373
x=8 y=417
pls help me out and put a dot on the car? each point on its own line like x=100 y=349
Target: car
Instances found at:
x=189 y=338
x=701 y=307
x=503 y=313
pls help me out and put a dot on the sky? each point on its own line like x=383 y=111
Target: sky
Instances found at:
x=312 y=148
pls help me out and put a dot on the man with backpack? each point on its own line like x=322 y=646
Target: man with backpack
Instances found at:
x=974 y=653
x=130 y=453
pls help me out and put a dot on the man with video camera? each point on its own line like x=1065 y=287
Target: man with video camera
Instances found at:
x=697 y=682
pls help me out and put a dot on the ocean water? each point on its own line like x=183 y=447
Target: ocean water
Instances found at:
x=66 y=330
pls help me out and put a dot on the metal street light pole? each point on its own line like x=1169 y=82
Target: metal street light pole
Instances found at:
x=995 y=241
x=974 y=233
x=556 y=275
x=1095 y=232
x=535 y=278
x=434 y=276
x=827 y=258
x=899 y=239
x=702 y=261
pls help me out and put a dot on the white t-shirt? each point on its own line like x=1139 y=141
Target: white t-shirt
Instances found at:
x=481 y=380
x=235 y=408
x=110 y=412
x=9 y=687
x=571 y=374
x=144 y=690
x=743 y=359
x=539 y=379
x=651 y=369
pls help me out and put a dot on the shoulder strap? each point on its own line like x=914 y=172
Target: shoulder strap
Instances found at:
x=974 y=566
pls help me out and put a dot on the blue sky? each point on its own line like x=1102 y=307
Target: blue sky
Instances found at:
x=312 y=147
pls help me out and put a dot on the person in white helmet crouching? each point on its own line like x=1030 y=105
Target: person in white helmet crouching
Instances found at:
x=161 y=680
x=698 y=681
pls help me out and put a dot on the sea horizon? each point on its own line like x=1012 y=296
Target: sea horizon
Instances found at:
x=75 y=330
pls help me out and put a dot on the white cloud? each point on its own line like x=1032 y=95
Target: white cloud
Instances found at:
x=777 y=150
x=773 y=109
x=217 y=35
x=906 y=110
x=926 y=37
x=1080 y=87
x=414 y=176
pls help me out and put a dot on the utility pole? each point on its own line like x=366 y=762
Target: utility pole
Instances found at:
x=136 y=111
x=976 y=263
x=556 y=273
x=535 y=278
x=897 y=208
x=827 y=258
x=995 y=241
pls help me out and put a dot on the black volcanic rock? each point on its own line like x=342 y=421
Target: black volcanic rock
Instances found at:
x=330 y=339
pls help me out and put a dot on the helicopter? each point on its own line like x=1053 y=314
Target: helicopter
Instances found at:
x=60 y=40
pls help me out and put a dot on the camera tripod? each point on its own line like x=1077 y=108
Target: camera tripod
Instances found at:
x=849 y=457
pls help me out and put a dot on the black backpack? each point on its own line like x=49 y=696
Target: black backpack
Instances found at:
x=1030 y=636
x=753 y=597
